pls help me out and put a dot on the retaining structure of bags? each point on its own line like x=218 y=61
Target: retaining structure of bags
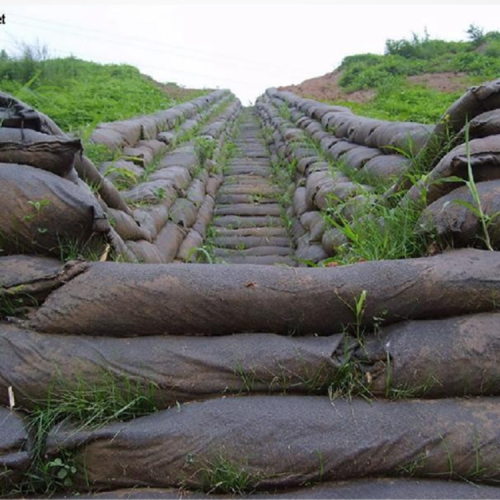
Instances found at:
x=377 y=378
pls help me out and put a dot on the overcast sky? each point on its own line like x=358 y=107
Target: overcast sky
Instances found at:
x=246 y=48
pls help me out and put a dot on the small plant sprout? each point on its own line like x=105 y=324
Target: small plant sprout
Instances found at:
x=358 y=310
x=203 y=254
x=62 y=471
x=160 y=193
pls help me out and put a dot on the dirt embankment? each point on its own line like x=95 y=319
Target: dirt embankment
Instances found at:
x=327 y=87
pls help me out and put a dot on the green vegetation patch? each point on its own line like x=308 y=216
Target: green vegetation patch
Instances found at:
x=419 y=55
x=79 y=94
x=399 y=100
x=395 y=98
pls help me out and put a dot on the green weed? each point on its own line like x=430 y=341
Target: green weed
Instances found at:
x=412 y=468
x=97 y=404
x=74 y=249
x=476 y=207
x=285 y=112
x=88 y=405
x=123 y=178
x=203 y=254
x=379 y=232
x=349 y=378
x=225 y=476
x=248 y=377
x=204 y=148
x=99 y=153
x=15 y=302
x=160 y=193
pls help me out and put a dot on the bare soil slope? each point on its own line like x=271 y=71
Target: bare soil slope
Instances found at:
x=327 y=87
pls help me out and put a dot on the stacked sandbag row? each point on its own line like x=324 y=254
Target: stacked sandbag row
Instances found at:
x=45 y=206
x=458 y=215
x=127 y=133
x=218 y=131
x=321 y=185
x=189 y=333
x=462 y=192
x=451 y=357
x=378 y=148
x=171 y=192
x=138 y=144
x=286 y=337
x=248 y=224
x=31 y=138
x=315 y=183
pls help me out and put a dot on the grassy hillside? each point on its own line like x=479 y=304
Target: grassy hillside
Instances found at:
x=391 y=87
x=78 y=94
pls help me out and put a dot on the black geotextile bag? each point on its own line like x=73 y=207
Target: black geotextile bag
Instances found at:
x=287 y=441
x=484 y=157
x=450 y=357
x=18 y=114
x=41 y=212
x=38 y=366
x=453 y=218
x=14 y=449
x=380 y=488
x=221 y=300
x=56 y=154
x=484 y=125
x=475 y=101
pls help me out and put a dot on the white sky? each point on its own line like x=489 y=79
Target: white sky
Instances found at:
x=246 y=48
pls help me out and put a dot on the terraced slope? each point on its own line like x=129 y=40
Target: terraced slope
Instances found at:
x=248 y=224
x=135 y=363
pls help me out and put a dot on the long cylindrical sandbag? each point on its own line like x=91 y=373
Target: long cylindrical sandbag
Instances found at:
x=15 y=450
x=434 y=358
x=130 y=300
x=380 y=488
x=111 y=196
x=485 y=165
x=27 y=279
x=40 y=212
x=42 y=366
x=56 y=154
x=475 y=101
x=285 y=441
x=451 y=219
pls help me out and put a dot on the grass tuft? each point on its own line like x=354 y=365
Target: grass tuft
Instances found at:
x=225 y=476
x=89 y=405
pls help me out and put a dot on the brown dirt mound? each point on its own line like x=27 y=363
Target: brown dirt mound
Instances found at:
x=327 y=88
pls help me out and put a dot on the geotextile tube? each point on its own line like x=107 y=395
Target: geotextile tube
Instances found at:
x=450 y=357
x=286 y=441
x=14 y=449
x=380 y=488
x=450 y=218
x=42 y=366
x=132 y=300
x=433 y=358
x=40 y=211
x=34 y=277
